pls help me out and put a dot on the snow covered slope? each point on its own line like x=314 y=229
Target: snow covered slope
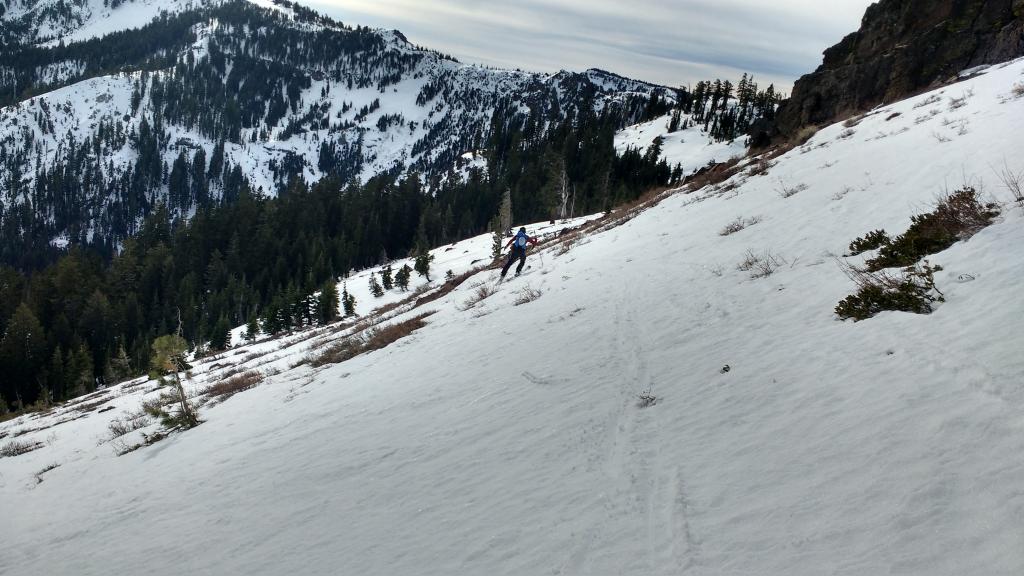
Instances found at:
x=54 y=21
x=690 y=146
x=503 y=439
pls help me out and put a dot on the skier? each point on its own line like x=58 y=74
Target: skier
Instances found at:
x=518 y=243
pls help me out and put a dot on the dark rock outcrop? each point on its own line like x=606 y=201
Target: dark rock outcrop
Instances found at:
x=903 y=47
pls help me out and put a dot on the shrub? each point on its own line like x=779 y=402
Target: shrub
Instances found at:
x=338 y=352
x=871 y=241
x=761 y=166
x=18 y=447
x=526 y=295
x=449 y=285
x=646 y=399
x=958 y=216
x=119 y=427
x=786 y=191
x=913 y=291
x=238 y=383
x=381 y=337
x=375 y=339
x=482 y=292
x=168 y=408
x=760 y=265
x=1013 y=181
x=739 y=224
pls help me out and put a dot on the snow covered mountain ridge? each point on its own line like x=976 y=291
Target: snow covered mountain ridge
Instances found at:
x=640 y=402
x=268 y=92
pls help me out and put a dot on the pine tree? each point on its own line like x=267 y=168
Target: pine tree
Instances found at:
x=55 y=375
x=496 y=244
x=80 y=372
x=505 y=212
x=422 y=264
x=169 y=358
x=119 y=367
x=327 y=304
x=375 y=287
x=674 y=123
x=252 y=328
x=220 y=338
x=22 y=354
x=402 y=277
x=385 y=277
x=348 y=301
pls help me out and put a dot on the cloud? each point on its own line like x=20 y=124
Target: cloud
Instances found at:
x=671 y=43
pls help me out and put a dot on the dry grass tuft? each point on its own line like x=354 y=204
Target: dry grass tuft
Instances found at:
x=739 y=224
x=526 y=295
x=39 y=475
x=130 y=423
x=387 y=335
x=646 y=399
x=373 y=339
x=482 y=292
x=787 y=191
x=18 y=447
x=760 y=265
x=237 y=383
x=1012 y=181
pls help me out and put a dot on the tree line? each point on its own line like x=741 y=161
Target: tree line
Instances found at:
x=89 y=317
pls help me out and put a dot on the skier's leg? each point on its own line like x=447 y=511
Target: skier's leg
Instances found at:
x=522 y=262
x=508 y=263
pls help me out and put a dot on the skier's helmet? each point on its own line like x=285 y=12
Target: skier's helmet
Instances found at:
x=523 y=229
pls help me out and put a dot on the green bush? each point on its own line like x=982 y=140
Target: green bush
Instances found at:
x=871 y=241
x=958 y=216
x=913 y=291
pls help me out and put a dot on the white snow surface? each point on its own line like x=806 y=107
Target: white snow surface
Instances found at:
x=504 y=439
x=691 y=147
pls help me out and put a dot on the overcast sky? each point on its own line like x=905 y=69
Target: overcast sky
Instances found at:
x=666 y=41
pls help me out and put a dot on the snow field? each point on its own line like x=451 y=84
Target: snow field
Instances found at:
x=689 y=147
x=507 y=439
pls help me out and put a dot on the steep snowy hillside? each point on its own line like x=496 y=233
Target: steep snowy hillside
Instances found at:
x=646 y=408
x=691 y=146
x=54 y=21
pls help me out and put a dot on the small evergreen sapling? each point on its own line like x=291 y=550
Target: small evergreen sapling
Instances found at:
x=422 y=264
x=386 y=277
x=169 y=358
x=375 y=287
x=496 y=245
x=402 y=277
x=252 y=328
x=348 y=301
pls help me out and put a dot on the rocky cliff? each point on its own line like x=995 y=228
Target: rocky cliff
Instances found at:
x=903 y=47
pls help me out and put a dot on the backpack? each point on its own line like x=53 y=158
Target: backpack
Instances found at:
x=521 y=241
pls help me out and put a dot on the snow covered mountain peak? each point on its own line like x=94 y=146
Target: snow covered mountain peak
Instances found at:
x=304 y=98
